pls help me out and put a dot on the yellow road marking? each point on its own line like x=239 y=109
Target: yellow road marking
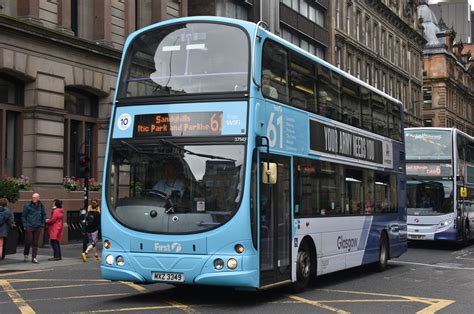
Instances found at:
x=16 y=298
x=135 y=309
x=174 y=304
x=58 y=280
x=436 y=307
x=317 y=304
x=16 y=273
x=57 y=287
x=75 y=297
x=134 y=286
x=434 y=304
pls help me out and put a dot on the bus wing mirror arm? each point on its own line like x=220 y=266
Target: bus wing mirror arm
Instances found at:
x=255 y=36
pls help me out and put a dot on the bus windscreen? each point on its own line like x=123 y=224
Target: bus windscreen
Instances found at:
x=186 y=58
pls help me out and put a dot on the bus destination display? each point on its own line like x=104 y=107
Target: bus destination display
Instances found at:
x=178 y=124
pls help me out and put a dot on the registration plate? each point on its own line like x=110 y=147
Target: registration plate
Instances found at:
x=168 y=277
x=416 y=236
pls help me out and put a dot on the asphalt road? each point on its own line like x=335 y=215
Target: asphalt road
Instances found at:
x=427 y=279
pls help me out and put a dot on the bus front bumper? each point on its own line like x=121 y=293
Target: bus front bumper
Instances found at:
x=196 y=269
x=431 y=233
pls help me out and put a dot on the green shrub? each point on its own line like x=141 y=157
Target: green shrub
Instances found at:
x=9 y=189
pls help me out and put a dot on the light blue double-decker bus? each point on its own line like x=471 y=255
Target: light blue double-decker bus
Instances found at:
x=238 y=159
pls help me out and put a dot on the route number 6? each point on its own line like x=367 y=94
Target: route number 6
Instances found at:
x=275 y=136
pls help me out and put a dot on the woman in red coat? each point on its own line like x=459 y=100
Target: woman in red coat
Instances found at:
x=55 y=229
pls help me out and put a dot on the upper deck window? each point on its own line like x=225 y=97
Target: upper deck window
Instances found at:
x=189 y=58
x=428 y=144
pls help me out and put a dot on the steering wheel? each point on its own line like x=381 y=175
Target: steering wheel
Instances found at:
x=153 y=192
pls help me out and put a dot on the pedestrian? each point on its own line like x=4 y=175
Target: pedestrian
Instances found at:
x=55 y=229
x=82 y=224
x=33 y=219
x=92 y=222
x=6 y=222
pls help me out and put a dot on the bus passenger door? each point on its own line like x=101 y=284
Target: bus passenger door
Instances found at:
x=275 y=221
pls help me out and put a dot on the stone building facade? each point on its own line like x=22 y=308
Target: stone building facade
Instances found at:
x=381 y=42
x=59 y=61
x=448 y=79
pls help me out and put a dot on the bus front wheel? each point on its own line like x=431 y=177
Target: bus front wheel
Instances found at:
x=382 y=263
x=304 y=267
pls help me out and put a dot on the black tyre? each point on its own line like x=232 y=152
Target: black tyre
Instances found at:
x=382 y=263
x=304 y=267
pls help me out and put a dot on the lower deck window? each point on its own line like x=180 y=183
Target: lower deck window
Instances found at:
x=327 y=189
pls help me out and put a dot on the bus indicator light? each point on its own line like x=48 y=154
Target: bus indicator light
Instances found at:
x=239 y=248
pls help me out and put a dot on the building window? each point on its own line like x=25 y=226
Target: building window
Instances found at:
x=308 y=9
x=349 y=63
x=376 y=78
x=357 y=25
x=338 y=15
x=367 y=31
x=404 y=56
x=338 y=57
x=376 y=37
x=349 y=19
x=397 y=53
x=311 y=47
x=80 y=129
x=390 y=47
x=427 y=98
x=384 y=83
x=367 y=73
x=382 y=43
x=82 y=18
x=11 y=128
x=232 y=8
x=358 y=68
x=143 y=13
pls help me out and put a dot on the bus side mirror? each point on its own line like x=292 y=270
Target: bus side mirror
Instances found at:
x=269 y=173
x=463 y=192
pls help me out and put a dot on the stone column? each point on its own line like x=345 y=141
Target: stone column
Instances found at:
x=103 y=22
x=28 y=10
x=130 y=17
x=183 y=8
x=159 y=10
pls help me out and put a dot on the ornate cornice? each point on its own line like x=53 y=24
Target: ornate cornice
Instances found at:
x=55 y=36
x=396 y=21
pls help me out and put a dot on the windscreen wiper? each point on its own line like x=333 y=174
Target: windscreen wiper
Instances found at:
x=193 y=153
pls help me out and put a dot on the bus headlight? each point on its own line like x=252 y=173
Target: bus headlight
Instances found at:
x=232 y=263
x=445 y=223
x=109 y=259
x=218 y=264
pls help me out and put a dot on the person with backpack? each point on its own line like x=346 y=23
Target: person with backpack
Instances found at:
x=92 y=223
x=55 y=229
x=33 y=219
x=6 y=222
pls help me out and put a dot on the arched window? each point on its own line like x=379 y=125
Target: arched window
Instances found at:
x=11 y=125
x=80 y=130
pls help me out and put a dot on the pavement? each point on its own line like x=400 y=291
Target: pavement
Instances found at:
x=71 y=255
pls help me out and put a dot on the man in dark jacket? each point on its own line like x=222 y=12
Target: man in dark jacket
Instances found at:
x=6 y=222
x=33 y=219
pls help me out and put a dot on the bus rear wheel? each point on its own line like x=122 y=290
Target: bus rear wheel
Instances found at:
x=382 y=263
x=304 y=267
